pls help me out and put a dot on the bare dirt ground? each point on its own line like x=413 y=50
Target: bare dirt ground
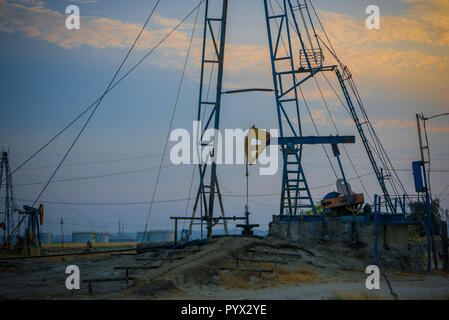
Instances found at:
x=223 y=268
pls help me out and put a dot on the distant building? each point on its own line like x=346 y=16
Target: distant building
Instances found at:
x=83 y=237
x=162 y=236
x=156 y=236
x=143 y=236
x=122 y=237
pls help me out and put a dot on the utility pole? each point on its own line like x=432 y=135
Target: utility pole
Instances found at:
x=62 y=235
x=119 y=230
x=444 y=246
x=430 y=244
x=426 y=189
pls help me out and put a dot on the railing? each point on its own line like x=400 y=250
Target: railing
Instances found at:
x=400 y=204
x=315 y=57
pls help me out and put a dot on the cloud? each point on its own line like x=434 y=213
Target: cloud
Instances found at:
x=409 y=54
x=32 y=19
x=393 y=48
x=380 y=55
x=85 y=1
x=438 y=128
x=393 y=124
x=433 y=15
x=425 y=22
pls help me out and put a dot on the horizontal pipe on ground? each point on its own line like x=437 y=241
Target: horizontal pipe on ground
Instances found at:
x=261 y=260
x=259 y=271
x=136 y=267
x=296 y=255
x=90 y=281
x=159 y=259
x=89 y=253
x=110 y=279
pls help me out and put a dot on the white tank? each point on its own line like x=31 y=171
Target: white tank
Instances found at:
x=83 y=237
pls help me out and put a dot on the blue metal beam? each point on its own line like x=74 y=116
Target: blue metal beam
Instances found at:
x=365 y=141
x=313 y=140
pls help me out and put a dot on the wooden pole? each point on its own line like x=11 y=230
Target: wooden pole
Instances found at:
x=62 y=236
x=176 y=231
x=444 y=246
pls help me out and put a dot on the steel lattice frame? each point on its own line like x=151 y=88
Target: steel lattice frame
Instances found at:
x=214 y=38
x=9 y=197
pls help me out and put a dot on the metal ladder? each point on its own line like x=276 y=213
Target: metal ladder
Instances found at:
x=295 y=195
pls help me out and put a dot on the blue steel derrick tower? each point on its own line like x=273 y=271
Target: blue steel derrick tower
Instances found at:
x=296 y=52
x=288 y=76
x=209 y=105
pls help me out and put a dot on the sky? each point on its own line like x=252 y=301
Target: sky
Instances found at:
x=50 y=74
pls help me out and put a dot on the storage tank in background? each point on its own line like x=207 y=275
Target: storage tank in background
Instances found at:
x=102 y=237
x=46 y=237
x=162 y=236
x=156 y=236
x=141 y=237
x=83 y=237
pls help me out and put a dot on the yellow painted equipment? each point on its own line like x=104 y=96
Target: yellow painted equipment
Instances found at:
x=343 y=201
x=252 y=151
x=41 y=214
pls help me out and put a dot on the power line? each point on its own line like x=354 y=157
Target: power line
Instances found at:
x=57 y=199
x=94 y=162
x=107 y=91
x=394 y=294
x=97 y=176
x=172 y=118
x=337 y=132
x=160 y=155
x=98 y=104
x=305 y=163
x=176 y=200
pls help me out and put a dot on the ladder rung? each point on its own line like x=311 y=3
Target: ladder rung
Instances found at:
x=214 y=19
x=285 y=72
x=282 y=58
x=277 y=16
x=299 y=6
x=211 y=61
x=298 y=206
x=287 y=100
x=298 y=198
x=209 y=103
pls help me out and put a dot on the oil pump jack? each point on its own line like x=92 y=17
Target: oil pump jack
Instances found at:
x=288 y=22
